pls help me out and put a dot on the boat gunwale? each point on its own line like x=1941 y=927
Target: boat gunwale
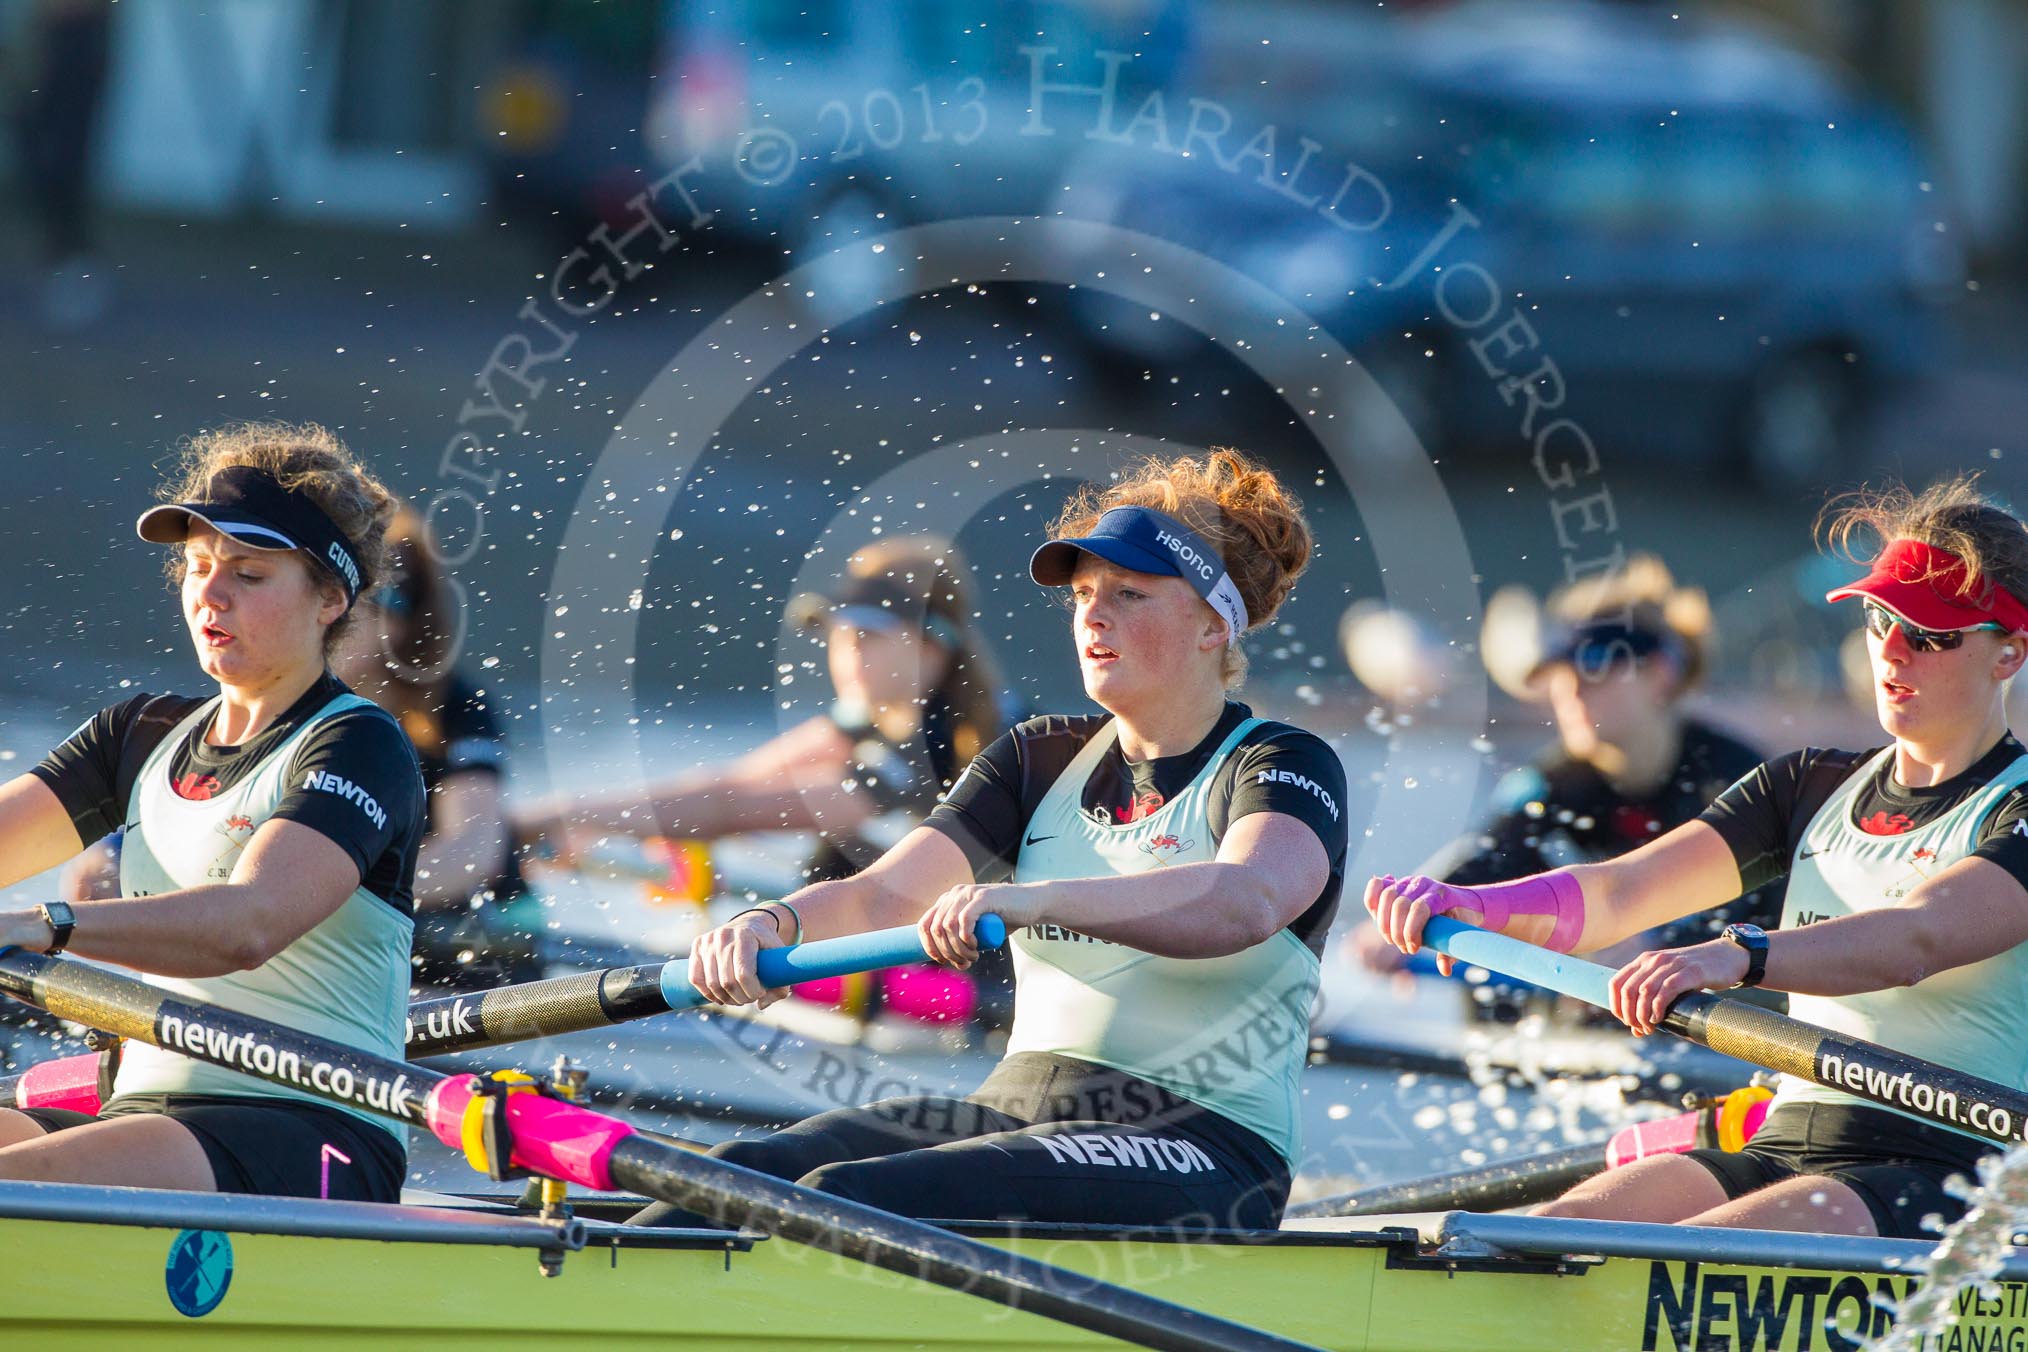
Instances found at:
x=482 y=1219
x=1060 y=1231
x=250 y=1214
x=1469 y=1235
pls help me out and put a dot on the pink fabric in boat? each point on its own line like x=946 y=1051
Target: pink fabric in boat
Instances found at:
x=70 y=1082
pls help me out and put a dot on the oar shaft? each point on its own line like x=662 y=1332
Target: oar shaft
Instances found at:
x=1727 y=1123
x=562 y=1004
x=140 y=1012
x=931 y=1254
x=1950 y=1098
x=571 y=1004
x=578 y=1145
x=1492 y=1187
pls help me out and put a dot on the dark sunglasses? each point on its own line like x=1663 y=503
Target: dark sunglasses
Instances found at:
x=1608 y=656
x=1880 y=622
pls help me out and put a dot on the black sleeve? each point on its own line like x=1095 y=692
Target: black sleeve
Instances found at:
x=983 y=812
x=1761 y=816
x=93 y=772
x=472 y=739
x=1757 y=817
x=2003 y=837
x=356 y=781
x=1296 y=774
x=990 y=805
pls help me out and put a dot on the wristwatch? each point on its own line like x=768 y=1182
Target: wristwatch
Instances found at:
x=1753 y=939
x=61 y=920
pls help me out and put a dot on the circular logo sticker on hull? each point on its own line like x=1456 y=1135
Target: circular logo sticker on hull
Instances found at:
x=198 y=1271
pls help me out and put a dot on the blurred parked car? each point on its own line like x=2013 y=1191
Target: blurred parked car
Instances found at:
x=1727 y=252
x=817 y=121
x=559 y=117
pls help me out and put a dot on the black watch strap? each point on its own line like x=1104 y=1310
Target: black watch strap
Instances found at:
x=1754 y=940
x=61 y=921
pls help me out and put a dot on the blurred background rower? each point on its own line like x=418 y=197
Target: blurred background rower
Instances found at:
x=1615 y=658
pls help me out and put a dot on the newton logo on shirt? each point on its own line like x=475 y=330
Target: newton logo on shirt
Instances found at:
x=352 y=793
x=1301 y=782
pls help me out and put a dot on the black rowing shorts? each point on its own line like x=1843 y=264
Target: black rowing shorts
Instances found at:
x=1895 y=1164
x=268 y=1146
x=1035 y=1143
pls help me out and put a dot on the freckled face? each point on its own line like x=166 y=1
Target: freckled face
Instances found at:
x=255 y=616
x=1138 y=634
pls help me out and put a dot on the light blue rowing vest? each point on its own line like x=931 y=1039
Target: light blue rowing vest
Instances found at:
x=346 y=980
x=1229 y=1034
x=1973 y=1018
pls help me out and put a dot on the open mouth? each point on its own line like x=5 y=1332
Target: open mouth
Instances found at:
x=1099 y=652
x=1896 y=692
x=214 y=636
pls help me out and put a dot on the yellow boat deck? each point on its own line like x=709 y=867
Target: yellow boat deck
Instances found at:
x=100 y=1267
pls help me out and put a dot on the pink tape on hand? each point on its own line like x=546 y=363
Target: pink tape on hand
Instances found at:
x=551 y=1137
x=1555 y=893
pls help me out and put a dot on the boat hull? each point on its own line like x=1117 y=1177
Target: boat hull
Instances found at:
x=1388 y=1288
x=105 y=1286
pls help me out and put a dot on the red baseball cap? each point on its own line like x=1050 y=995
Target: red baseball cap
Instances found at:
x=1929 y=588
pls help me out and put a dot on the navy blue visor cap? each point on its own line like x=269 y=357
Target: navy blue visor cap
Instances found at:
x=1148 y=541
x=251 y=507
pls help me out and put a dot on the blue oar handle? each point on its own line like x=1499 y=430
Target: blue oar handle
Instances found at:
x=823 y=958
x=1576 y=977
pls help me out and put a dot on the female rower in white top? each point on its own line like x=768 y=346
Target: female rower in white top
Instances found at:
x=270 y=836
x=1906 y=918
x=1176 y=863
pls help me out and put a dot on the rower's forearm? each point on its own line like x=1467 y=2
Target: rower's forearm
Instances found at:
x=1688 y=870
x=1854 y=954
x=689 y=807
x=197 y=932
x=818 y=805
x=706 y=810
x=1607 y=918
x=854 y=905
x=1204 y=910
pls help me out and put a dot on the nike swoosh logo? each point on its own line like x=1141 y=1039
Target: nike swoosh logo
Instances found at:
x=1808 y=854
x=1036 y=840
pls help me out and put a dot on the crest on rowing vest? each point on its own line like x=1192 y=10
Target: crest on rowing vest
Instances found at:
x=1924 y=861
x=1165 y=847
x=237 y=829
